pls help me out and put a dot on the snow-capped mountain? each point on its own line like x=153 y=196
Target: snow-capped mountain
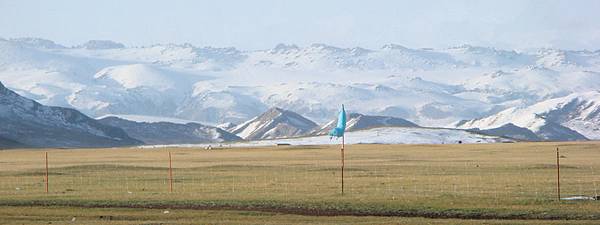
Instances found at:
x=28 y=123
x=431 y=87
x=170 y=133
x=556 y=58
x=274 y=123
x=357 y=121
x=573 y=117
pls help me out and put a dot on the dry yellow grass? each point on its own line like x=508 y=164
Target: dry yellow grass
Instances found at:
x=497 y=180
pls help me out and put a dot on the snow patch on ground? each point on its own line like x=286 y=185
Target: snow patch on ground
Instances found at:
x=383 y=135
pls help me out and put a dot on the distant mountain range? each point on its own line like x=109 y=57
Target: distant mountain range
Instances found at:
x=27 y=123
x=430 y=87
x=170 y=133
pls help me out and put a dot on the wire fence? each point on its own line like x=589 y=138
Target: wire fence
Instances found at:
x=296 y=174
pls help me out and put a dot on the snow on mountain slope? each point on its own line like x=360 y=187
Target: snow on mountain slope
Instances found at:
x=212 y=103
x=425 y=102
x=556 y=58
x=22 y=56
x=140 y=75
x=322 y=56
x=136 y=89
x=316 y=56
x=94 y=86
x=46 y=76
x=575 y=114
x=274 y=123
x=426 y=105
x=171 y=55
x=489 y=57
x=533 y=83
x=392 y=57
x=544 y=129
x=29 y=123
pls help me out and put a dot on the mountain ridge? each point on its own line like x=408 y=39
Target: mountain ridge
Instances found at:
x=357 y=121
x=431 y=87
x=274 y=123
x=152 y=133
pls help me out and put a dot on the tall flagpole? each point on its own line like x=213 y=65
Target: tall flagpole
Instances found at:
x=342 y=164
x=337 y=132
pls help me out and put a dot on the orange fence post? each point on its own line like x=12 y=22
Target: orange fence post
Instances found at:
x=558 y=174
x=46 y=172
x=170 y=174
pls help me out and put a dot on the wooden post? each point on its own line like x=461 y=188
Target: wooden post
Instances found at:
x=170 y=174
x=558 y=174
x=342 y=164
x=46 y=172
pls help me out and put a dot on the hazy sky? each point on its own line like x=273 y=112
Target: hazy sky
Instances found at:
x=260 y=24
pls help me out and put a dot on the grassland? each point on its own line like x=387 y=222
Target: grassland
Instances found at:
x=438 y=184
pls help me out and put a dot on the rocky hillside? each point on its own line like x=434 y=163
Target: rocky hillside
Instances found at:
x=274 y=123
x=28 y=123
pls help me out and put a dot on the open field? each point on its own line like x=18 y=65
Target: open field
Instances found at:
x=492 y=183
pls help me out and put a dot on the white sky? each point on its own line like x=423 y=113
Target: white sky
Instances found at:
x=261 y=24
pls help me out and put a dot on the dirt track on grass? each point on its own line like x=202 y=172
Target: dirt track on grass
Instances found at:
x=317 y=211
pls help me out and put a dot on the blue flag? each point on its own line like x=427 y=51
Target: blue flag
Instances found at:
x=338 y=131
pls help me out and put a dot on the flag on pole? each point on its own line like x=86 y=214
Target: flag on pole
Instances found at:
x=338 y=131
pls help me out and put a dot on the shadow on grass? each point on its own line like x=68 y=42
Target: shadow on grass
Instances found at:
x=315 y=209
